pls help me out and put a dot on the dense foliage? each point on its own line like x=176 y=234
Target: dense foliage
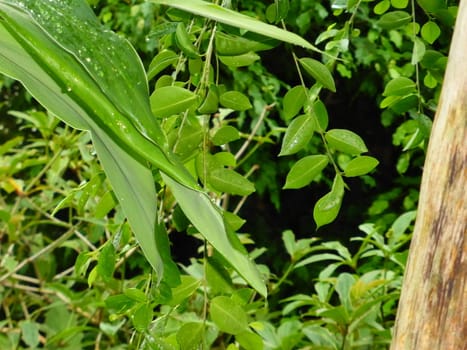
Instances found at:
x=308 y=140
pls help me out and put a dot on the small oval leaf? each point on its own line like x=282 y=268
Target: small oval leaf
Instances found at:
x=298 y=134
x=170 y=100
x=319 y=72
x=228 y=316
x=161 y=61
x=305 y=170
x=346 y=141
x=430 y=32
x=293 y=102
x=327 y=208
x=190 y=335
x=360 y=166
x=394 y=19
x=228 y=180
x=235 y=100
x=224 y=135
x=399 y=86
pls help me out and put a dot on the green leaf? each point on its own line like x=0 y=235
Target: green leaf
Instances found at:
x=142 y=317
x=190 y=335
x=228 y=180
x=319 y=109
x=327 y=208
x=298 y=135
x=345 y=141
x=225 y=134
x=394 y=20
x=211 y=101
x=399 y=4
x=228 y=316
x=161 y=61
x=135 y=294
x=399 y=86
x=319 y=72
x=418 y=50
x=106 y=261
x=430 y=32
x=344 y=283
x=305 y=170
x=184 y=290
x=294 y=100
x=235 y=45
x=243 y=60
x=432 y=6
x=218 y=278
x=381 y=7
x=250 y=341
x=236 y=19
x=235 y=100
x=360 y=166
x=170 y=100
x=30 y=333
x=207 y=218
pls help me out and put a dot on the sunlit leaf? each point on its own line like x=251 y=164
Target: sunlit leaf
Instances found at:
x=235 y=100
x=228 y=316
x=346 y=141
x=294 y=100
x=305 y=170
x=327 y=207
x=360 y=166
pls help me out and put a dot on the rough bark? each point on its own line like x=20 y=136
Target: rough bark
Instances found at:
x=433 y=305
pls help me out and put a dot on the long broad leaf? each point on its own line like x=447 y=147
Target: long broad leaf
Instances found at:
x=227 y=16
x=56 y=66
x=133 y=183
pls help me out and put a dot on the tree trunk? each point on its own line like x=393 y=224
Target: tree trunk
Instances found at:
x=433 y=305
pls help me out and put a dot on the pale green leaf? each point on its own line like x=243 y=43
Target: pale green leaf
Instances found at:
x=190 y=335
x=228 y=316
x=184 y=290
x=305 y=170
x=250 y=341
x=399 y=4
x=418 y=50
x=236 y=19
x=298 y=135
x=345 y=141
x=170 y=100
x=360 y=166
x=319 y=72
x=142 y=317
x=225 y=134
x=30 y=333
x=430 y=32
x=381 y=7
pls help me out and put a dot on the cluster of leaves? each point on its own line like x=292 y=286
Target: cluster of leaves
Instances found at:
x=72 y=275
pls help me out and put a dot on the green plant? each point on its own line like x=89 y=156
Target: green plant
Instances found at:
x=183 y=145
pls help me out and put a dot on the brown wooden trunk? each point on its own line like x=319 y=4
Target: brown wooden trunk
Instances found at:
x=433 y=305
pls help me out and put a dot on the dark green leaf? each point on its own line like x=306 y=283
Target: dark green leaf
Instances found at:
x=394 y=20
x=106 y=261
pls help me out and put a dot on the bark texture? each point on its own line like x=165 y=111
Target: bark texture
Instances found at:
x=433 y=305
